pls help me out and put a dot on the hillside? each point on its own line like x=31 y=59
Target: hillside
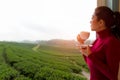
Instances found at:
x=19 y=61
x=58 y=42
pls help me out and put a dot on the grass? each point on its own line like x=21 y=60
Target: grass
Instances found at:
x=27 y=62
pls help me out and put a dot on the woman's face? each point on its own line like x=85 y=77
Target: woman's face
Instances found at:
x=96 y=25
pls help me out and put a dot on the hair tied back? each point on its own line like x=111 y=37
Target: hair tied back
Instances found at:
x=113 y=26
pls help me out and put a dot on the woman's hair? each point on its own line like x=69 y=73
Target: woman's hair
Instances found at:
x=111 y=19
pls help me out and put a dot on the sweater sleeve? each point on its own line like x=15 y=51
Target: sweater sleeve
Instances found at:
x=112 y=53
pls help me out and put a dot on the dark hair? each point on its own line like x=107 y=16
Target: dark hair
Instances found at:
x=111 y=19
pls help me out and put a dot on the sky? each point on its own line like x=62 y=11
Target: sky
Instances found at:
x=44 y=19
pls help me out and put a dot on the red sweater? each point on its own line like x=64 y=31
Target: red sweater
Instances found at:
x=104 y=60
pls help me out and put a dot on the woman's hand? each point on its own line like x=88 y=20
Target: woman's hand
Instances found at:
x=85 y=50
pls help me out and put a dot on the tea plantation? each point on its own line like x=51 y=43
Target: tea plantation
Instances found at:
x=23 y=61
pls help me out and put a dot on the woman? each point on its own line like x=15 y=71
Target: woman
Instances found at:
x=104 y=56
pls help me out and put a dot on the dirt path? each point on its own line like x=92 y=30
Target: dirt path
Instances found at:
x=87 y=75
x=36 y=47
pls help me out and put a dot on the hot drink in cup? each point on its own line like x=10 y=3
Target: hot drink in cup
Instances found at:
x=83 y=36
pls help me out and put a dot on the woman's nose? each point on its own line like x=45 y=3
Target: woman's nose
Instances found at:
x=90 y=22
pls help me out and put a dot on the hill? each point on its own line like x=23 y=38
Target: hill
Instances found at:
x=18 y=61
x=59 y=42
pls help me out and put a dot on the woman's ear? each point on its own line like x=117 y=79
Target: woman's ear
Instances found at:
x=101 y=22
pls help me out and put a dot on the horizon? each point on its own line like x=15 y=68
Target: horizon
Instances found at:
x=37 y=41
x=44 y=19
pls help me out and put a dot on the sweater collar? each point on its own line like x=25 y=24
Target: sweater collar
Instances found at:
x=103 y=34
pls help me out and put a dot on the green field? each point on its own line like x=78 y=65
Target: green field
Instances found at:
x=23 y=61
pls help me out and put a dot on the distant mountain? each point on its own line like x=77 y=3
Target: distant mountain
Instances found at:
x=27 y=41
x=58 y=42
